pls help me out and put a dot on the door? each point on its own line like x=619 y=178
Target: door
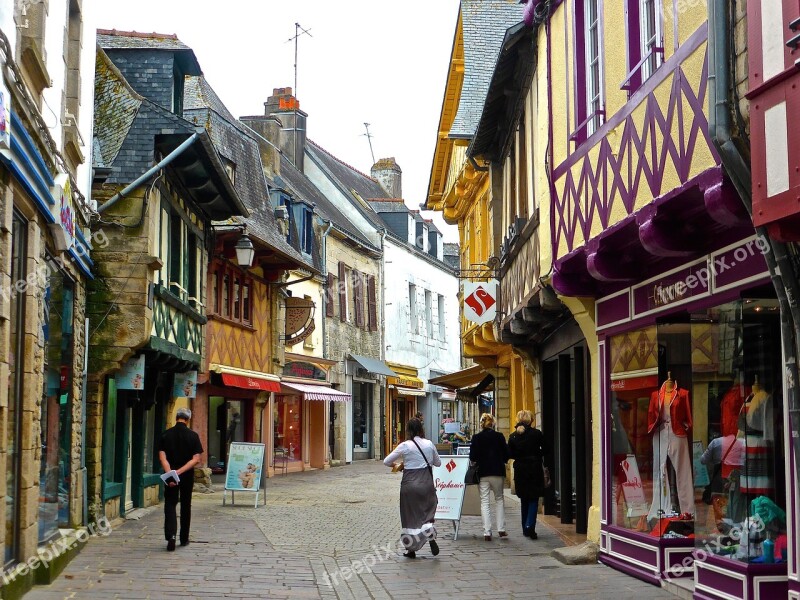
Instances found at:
x=129 y=460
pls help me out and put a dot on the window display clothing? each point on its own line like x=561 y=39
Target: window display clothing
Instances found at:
x=755 y=423
x=730 y=407
x=669 y=419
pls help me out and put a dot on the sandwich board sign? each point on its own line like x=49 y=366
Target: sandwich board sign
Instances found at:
x=451 y=489
x=243 y=469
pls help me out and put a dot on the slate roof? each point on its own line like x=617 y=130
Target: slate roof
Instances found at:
x=128 y=127
x=385 y=206
x=134 y=40
x=484 y=24
x=302 y=187
x=231 y=141
x=349 y=180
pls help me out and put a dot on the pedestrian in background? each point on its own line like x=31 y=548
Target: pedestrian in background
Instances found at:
x=527 y=447
x=179 y=449
x=490 y=452
x=417 y=493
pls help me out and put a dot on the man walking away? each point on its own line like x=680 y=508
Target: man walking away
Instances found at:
x=180 y=449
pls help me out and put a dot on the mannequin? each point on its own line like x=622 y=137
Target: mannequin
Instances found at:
x=669 y=420
x=756 y=426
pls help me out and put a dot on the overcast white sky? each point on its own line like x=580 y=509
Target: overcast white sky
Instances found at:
x=371 y=61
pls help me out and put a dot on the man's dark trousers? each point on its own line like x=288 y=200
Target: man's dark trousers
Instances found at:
x=182 y=491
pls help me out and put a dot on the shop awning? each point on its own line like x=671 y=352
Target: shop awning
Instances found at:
x=246 y=379
x=460 y=379
x=373 y=365
x=447 y=395
x=250 y=383
x=316 y=392
x=406 y=391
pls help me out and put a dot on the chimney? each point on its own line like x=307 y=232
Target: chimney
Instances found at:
x=286 y=108
x=390 y=176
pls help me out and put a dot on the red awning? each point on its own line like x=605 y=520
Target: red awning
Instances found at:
x=251 y=383
x=317 y=392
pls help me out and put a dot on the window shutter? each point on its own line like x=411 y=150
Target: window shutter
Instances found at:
x=358 y=298
x=372 y=300
x=342 y=293
x=329 y=296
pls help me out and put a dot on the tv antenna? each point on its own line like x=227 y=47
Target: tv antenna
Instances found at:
x=298 y=31
x=368 y=135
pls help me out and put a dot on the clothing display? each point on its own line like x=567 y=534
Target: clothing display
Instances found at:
x=730 y=407
x=670 y=419
x=755 y=422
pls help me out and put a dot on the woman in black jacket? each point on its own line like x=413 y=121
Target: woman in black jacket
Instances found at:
x=527 y=448
x=489 y=450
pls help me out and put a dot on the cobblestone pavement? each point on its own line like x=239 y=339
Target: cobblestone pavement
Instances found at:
x=302 y=543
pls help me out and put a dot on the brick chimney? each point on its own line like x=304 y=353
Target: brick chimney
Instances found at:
x=390 y=176
x=286 y=108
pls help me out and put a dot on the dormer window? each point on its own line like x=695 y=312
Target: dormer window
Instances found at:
x=301 y=224
x=177 y=90
x=230 y=169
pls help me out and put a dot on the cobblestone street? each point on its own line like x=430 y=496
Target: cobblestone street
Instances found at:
x=313 y=527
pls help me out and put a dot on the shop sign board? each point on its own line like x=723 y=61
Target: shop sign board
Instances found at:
x=185 y=385
x=131 y=375
x=449 y=482
x=304 y=370
x=244 y=468
x=5 y=116
x=403 y=382
x=480 y=301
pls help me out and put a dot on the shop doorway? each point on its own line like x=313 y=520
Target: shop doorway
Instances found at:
x=362 y=420
x=128 y=460
x=226 y=424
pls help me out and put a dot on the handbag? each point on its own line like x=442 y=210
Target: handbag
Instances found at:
x=547 y=481
x=472 y=477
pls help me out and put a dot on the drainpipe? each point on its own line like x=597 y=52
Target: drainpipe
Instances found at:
x=384 y=390
x=142 y=178
x=777 y=257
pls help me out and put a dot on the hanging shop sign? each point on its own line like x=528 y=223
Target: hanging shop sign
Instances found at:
x=64 y=212
x=185 y=385
x=480 y=301
x=304 y=370
x=299 y=320
x=131 y=375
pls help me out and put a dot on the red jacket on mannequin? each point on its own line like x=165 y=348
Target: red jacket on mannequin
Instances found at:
x=680 y=411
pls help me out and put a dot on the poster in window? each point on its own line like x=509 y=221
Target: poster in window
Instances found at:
x=632 y=488
x=701 y=478
x=185 y=385
x=131 y=375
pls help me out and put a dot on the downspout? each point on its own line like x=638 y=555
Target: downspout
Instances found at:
x=142 y=178
x=328 y=297
x=737 y=167
x=383 y=394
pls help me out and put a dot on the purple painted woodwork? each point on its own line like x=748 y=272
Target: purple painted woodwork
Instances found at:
x=629 y=569
x=740 y=263
x=633 y=40
x=630 y=550
x=613 y=310
x=731 y=578
x=724 y=205
x=794 y=587
x=661 y=238
x=589 y=193
x=689 y=282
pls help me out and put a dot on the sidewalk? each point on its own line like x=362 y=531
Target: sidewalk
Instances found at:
x=316 y=530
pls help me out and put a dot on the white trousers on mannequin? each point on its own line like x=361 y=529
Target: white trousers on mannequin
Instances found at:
x=668 y=445
x=488 y=487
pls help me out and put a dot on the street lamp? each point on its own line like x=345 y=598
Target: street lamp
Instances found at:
x=245 y=252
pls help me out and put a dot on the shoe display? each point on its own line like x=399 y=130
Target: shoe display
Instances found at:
x=434 y=548
x=171 y=545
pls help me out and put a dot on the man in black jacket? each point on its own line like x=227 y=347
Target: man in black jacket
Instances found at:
x=180 y=449
x=489 y=450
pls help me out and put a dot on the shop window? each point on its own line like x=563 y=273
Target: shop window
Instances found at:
x=14 y=410
x=696 y=400
x=149 y=441
x=288 y=423
x=56 y=414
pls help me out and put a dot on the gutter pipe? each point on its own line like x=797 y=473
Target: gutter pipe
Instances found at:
x=737 y=167
x=142 y=178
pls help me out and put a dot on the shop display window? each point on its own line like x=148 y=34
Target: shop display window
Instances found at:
x=289 y=427
x=695 y=421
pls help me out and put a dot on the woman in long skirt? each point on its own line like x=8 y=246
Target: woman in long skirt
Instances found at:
x=417 y=492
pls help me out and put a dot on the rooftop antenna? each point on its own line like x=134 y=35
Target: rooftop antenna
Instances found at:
x=368 y=135
x=298 y=31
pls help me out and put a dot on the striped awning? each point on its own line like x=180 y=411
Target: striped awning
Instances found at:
x=315 y=392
